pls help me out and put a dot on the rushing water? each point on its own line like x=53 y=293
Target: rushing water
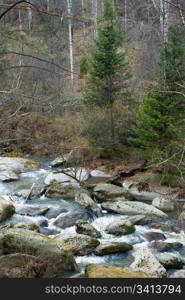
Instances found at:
x=27 y=179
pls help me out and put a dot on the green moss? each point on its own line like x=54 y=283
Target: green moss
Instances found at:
x=30 y=163
x=12 y=154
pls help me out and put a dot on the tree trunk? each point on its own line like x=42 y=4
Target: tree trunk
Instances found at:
x=164 y=19
x=95 y=16
x=69 y=10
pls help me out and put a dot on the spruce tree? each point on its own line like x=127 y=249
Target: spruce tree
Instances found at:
x=108 y=73
x=160 y=116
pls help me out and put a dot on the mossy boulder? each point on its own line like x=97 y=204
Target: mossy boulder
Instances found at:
x=17 y=164
x=6 y=209
x=79 y=243
x=62 y=190
x=83 y=227
x=111 y=248
x=58 y=256
x=101 y=271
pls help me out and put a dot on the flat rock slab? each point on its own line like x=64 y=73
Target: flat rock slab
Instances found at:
x=133 y=208
x=111 y=248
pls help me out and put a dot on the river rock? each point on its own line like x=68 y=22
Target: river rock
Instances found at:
x=139 y=220
x=54 y=212
x=104 y=192
x=19 y=266
x=32 y=211
x=133 y=208
x=59 y=161
x=170 y=260
x=6 y=176
x=165 y=246
x=101 y=271
x=120 y=227
x=6 y=209
x=85 y=201
x=145 y=261
x=56 y=256
x=62 y=190
x=83 y=227
x=164 y=203
x=79 y=243
x=97 y=177
x=178 y=274
x=27 y=226
x=154 y=236
x=17 y=165
x=164 y=227
x=111 y=248
x=69 y=219
x=57 y=178
x=182 y=219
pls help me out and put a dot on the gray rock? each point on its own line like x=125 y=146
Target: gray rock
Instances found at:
x=104 y=192
x=178 y=274
x=145 y=261
x=55 y=212
x=59 y=161
x=139 y=220
x=170 y=260
x=79 y=243
x=85 y=201
x=17 y=165
x=31 y=210
x=164 y=203
x=133 y=208
x=8 y=176
x=83 y=227
x=111 y=248
x=154 y=236
x=120 y=227
x=69 y=219
x=164 y=227
x=164 y=246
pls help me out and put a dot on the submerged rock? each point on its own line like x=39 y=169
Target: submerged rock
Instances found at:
x=145 y=261
x=54 y=212
x=170 y=260
x=6 y=209
x=83 y=227
x=101 y=271
x=120 y=227
x=178 y=274
x=79 y=243
x=56 y=256
x=133 y=208
x=111 y=248
x=164 y=227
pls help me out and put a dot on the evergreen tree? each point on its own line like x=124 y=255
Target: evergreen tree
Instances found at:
x=106 y=66
x=160 y=117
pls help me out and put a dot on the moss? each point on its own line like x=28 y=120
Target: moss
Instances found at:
x=12 y=154
x=30 y=163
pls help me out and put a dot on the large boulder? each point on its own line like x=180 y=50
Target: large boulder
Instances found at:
x=120 y=227
x=164 y=203
x=101 y=271
x=62 y=190
x=112 y=247
x=57 y=178
x=154 y=236
x=97 y=177
x=104 y=192
x=69 y=219
x=86 y=201
x=79 y=243
x=145 y=261
x=20 y=265
x=164 y=227
x=132 y=208
x=57 y=256
x=6 y=209
x=67 y=175
x=83 y=227
x=17 y=164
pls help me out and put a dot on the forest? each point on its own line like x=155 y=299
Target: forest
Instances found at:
x=92 y=148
